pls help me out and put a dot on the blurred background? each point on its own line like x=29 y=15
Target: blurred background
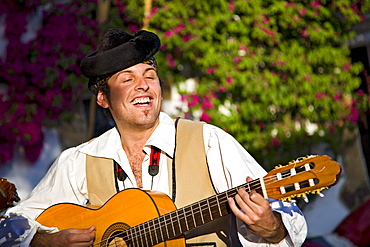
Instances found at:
x=286 y=78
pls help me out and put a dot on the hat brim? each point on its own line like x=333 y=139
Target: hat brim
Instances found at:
x=144 y=45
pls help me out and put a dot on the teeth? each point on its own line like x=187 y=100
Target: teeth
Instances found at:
x=141 y=101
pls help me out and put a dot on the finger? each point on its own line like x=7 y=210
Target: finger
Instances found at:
x=83 y=235
x=247 y=207
x=249 y=179
x=91 y=229
x=237 y=212
x=259 y=200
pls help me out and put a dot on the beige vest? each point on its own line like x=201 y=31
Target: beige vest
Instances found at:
x=192 y=181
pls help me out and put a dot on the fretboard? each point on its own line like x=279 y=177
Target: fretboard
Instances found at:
x=183 y=220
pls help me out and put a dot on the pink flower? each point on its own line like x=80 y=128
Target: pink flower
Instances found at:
x=231 y=6
x=353 y=116
x=304 y=33
x=360 y=92
x=222 y=89
x=230 y=80
x=303 y=11
x=307 y=78
x=194 y=100
x=153 y=11
x=169 y=33
x=206 y=103
x=205 y=117
x=265 y=20
x=243 y=48
x=170 y=61
x=275 y=142
x=210 y=70
x=186 y=37
x=268 y=31
x=320 y=95
x=133 y=28
x=337 y=96
x=347 y=66
x=237 y=59
x=316 y=4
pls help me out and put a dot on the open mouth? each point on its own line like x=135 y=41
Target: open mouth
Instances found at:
x=141 y=101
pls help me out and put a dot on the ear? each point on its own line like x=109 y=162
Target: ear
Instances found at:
x=100 y=100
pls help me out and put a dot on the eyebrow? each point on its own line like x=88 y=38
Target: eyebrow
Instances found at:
x=130 y=71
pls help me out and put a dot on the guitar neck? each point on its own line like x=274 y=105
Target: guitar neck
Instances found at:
x=185 y=219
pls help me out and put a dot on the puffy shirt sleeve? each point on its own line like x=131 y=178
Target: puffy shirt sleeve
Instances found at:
x=229 y=165
x=57 y=186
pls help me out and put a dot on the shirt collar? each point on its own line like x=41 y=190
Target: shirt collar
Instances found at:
x=108 y=145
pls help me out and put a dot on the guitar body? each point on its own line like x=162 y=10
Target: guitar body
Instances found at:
x=124 y=210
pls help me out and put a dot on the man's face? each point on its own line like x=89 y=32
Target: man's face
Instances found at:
x=135 y=97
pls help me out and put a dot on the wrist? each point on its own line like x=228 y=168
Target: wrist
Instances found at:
x=278 y=232
x=41 y=240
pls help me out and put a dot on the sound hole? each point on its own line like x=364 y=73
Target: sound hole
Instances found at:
x=113 y=236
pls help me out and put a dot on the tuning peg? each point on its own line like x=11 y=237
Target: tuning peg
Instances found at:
x=320 y=194
x=305 y=198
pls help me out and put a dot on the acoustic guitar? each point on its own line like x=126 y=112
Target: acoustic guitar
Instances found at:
x=138 y=218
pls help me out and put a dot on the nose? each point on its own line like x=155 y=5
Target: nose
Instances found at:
x=142 y=84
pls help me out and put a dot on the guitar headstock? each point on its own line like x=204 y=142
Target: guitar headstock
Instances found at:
x=311 y=174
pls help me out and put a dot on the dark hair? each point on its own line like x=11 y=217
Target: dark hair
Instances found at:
x=103 y=86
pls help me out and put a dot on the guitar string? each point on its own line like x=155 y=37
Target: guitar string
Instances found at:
x=181 y=216
x=202 y=208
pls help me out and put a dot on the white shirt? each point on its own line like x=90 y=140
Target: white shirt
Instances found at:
x=229 y=165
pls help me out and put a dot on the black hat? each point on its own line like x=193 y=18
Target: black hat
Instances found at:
x=118 y=50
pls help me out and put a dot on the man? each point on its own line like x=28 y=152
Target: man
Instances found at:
x=123 y=75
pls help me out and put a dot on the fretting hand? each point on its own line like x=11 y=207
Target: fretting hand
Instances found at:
x=256 y=213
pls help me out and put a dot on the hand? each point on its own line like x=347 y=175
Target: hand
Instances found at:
x=66 y=238
x=256 y=213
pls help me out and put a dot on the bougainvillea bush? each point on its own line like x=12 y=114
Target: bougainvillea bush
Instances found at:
x=40 y=79
x=275 y=74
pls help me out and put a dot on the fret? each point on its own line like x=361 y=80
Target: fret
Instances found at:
x=150 y=233
x=264 y=192
x=141 y=237
x=155 y=229
x=209 y=209
x=143 y=233
x=160 y=229
x=249 y=187
x=178 y=220
x=165 y=226
x=218 y=204
x=201 y=214
x=186 y=221
x=128 y=237
x=192 y=214
x=136 y=238
x=173 y=227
